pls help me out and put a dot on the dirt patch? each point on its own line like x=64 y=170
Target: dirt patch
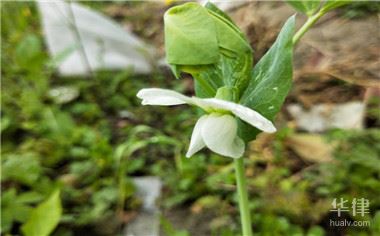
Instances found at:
x=195 y=224
x=344 y=49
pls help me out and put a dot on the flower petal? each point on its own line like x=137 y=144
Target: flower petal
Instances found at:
x=197 y=142
x=164 y=97
x=219 y=132
x=245 y=113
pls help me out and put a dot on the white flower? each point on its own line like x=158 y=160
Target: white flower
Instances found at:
x=218 y=129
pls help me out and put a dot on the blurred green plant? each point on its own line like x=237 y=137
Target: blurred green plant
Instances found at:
x=45 y=217
x=75 y=144
x=48 y=144
x=169 y=230
x=360 y=9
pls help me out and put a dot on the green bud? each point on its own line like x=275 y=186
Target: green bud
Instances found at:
x=227 y=93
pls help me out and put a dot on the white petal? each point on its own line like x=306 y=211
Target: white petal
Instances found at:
x=196 y=142
x=219 y=132
x=164 y=97
x=247 y=114
x=254 y=118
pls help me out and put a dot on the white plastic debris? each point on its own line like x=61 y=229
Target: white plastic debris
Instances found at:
x=322 y=117
x=149 y=190
x=88 y=41
x=225 y=5
x=147 y=221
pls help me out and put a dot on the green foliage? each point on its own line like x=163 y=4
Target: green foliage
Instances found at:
x=375 y=227
x=16 y=207
x=358 y=9
x=169 y=230
x=333 y=4
x=25 y=169
x=46 y=143
x=181 y=41
x=308 y=7
x=45 y=217
x=28 y=53
x=88 y=146
x=357 y=169
x=315 y=231
x=223 y=56
x=270 y=81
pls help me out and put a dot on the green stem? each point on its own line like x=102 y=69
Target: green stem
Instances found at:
x=243 y=197
x=308 y=24
x=205 y=85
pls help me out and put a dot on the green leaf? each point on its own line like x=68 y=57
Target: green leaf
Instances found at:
x=29 y=197
x=190 y=36
x=235 y=62
x=15 y=207
x=7 y=211
x=207 y=82
x=28 y=53
x=24 y=168
x=271 y=80
x=21 y=212
x=308 y=7
x=233 y=72
x=5 y=122
x=229 y=35
x=45 y=217
x=332 y=4
x=204 y=42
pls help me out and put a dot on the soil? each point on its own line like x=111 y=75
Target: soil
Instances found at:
x=183 y=218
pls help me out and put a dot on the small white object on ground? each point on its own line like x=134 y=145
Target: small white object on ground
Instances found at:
x=322 y=117
x=147 y=221
x=88 y=41
x=63 y=94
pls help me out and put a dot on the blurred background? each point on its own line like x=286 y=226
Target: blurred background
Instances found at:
x=75 y=139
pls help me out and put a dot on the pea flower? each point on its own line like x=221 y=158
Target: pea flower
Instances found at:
x=217 y=129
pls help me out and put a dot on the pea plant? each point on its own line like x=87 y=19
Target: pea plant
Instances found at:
x=238 y=101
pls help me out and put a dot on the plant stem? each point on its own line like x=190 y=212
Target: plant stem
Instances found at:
x=243 y=197
x=308 y=24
